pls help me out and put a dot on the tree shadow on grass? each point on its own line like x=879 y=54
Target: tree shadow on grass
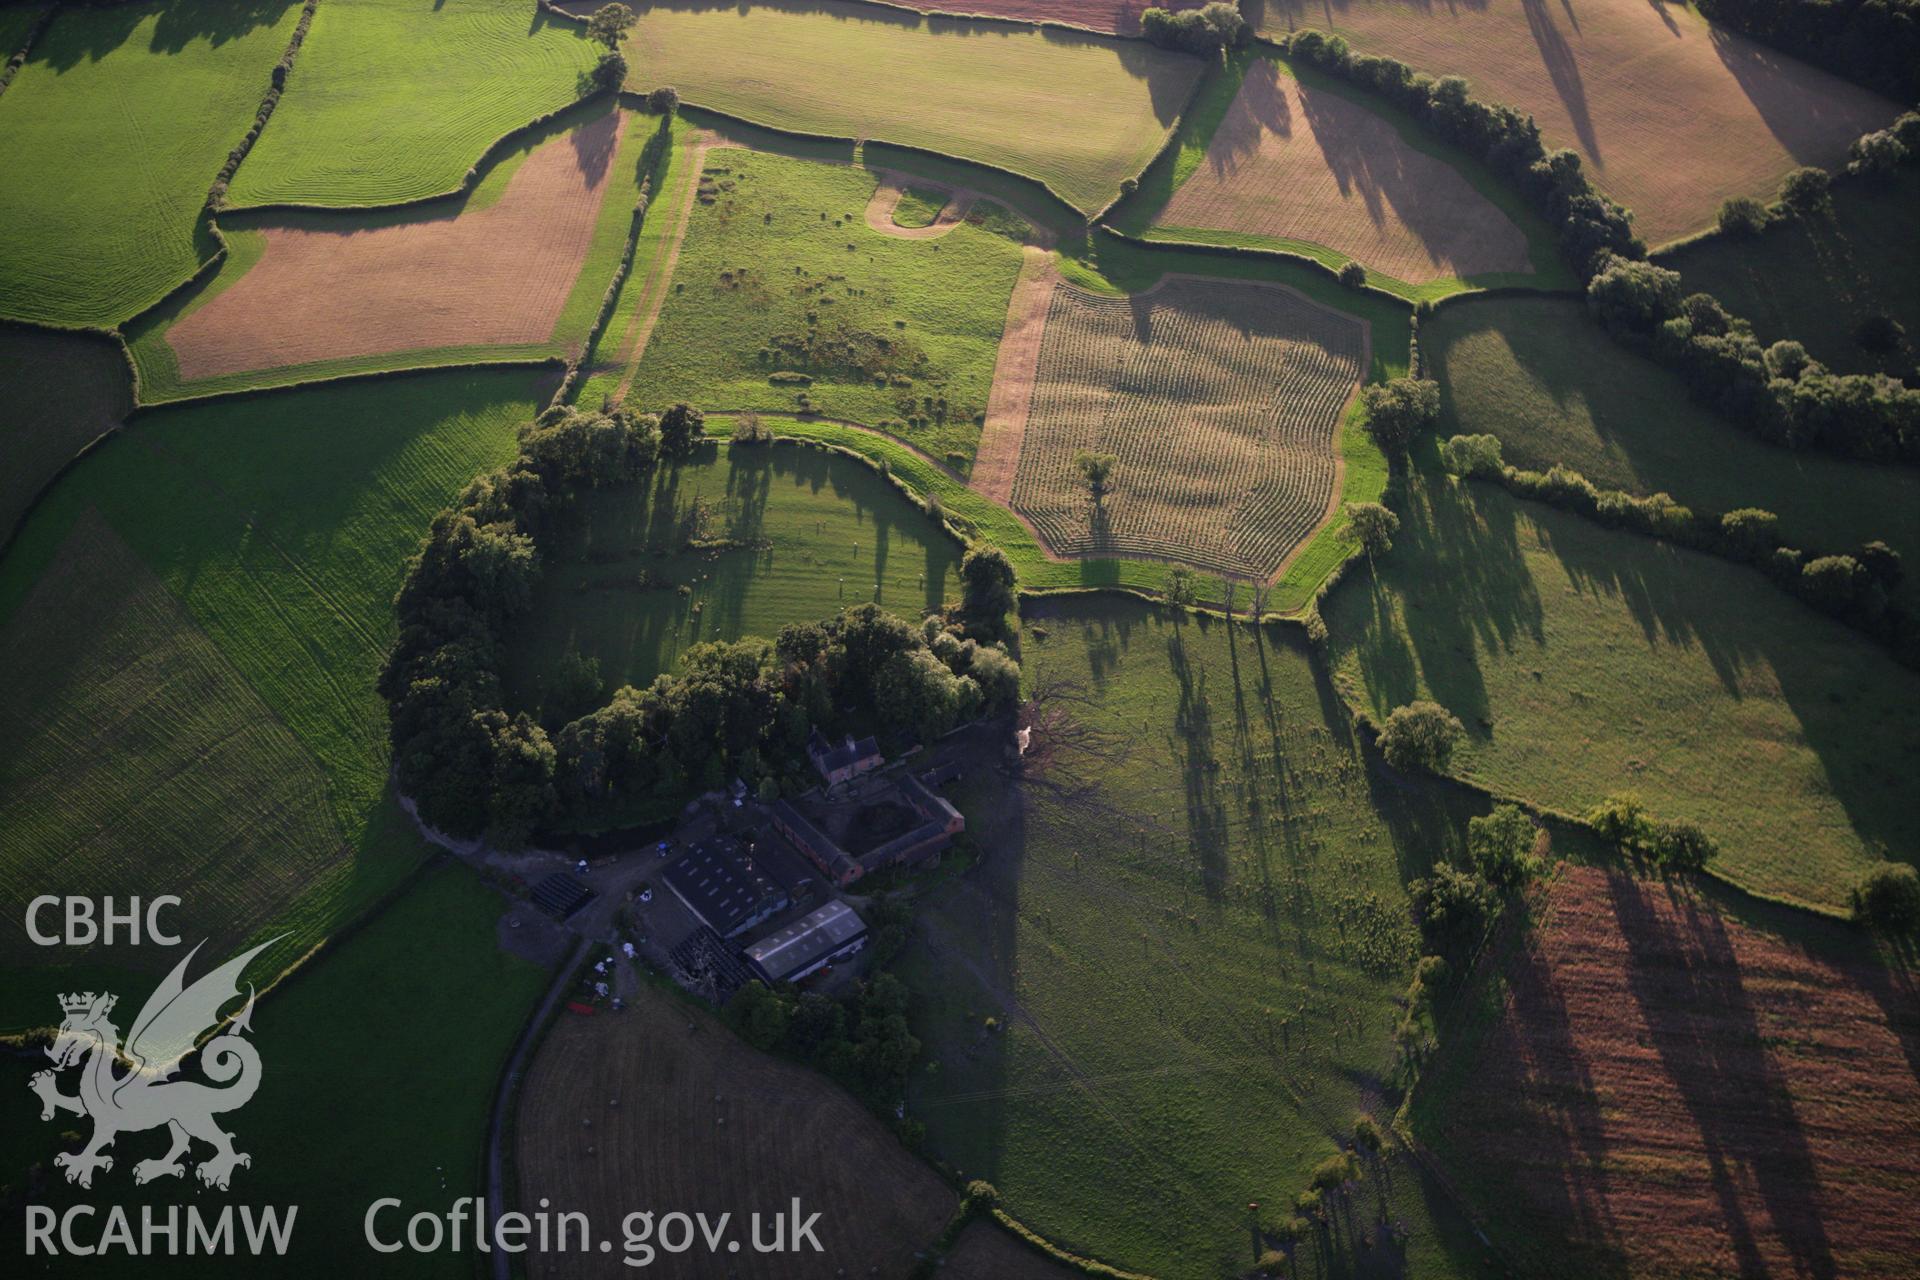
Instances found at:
x=90 y=33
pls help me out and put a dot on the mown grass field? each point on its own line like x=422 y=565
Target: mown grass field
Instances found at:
x=1189 y=935
x=1273 y=155
x=62 y=391
x=1585 y=661
x=707 y=1123
x=807 y=534
x=993 y=93
x=420 y=993
x=281 y=526
x=110 y=136
x=395 y=100
x=780 y=275
x=1539 y=374
x=1816 y=279
x=452 y=282
x=1659 y=1081
x=1223 y=405
x=1670 y=115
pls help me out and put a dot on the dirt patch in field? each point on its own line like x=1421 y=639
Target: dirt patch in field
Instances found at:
x=1222 y=401
x=1671 y=1091
x=1292 y=162
x=703 y=1123
x=1671 y=115
x=1113 y=17
x=496 y=276
x=886 y=198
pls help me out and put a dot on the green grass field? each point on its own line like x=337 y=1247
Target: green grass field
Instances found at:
x=1190 y=935
x=421 y=993
x=919 y=206
x=281 y=525
x=15 y=21
x=110 y=136
x=1585 y=661
x=62 y=391
x=779 y=273
x=394 y=100
x=1139 y=214
x=993 y=93
x=1815 y=279
x=159 y=368
x=1540 y=375
x=817 y=533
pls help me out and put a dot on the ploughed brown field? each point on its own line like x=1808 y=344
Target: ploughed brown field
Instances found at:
x=1672 y=116
x=704 y=1123
x=1673 y=1092
x=499 y=275
x=985 y=1252
x=1118 y=17
x=1292 y=162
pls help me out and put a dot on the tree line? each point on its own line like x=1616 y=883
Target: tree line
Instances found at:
x=741 y=709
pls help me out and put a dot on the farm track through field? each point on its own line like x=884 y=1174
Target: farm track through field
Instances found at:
x=997 y=459
x=654 y=289
x=886 y=198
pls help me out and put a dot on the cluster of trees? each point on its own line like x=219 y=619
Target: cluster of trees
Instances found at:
x=1398 y=410
x=1203 y=30
x=1875 y=43
x=862 y=1041
x=608 y=26
x=1887 y=901
x=1778 y=392
x=1855 y=587
x=1420 y=735
x=733 y=709
x=1622 y=821
x=1590 y=225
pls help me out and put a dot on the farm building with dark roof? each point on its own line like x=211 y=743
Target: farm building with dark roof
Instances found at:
x=722 y=885
x=809 y=944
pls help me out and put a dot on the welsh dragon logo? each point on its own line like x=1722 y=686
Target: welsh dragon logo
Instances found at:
x=128 y=1087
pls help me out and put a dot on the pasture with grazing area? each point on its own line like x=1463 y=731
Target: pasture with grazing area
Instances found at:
x=1666 y=1082
x=273 y=532
x=1585 y=662
x=665 y=1106
x=515 y=270
x=100 y=216
x=1220 y=402
x=1670 y=115
x=784 y=298
x=757 y=537
x=396 y=100
x=1296 y=161
x=63 y=390
x=1540 y=375
x=1079 y=113
x=1824 y=279
x=1191 y=912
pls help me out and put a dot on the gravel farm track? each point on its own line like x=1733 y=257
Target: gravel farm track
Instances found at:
x=1292 y=162
x=1672 y=116
x=1671 y=1091
x=498 y=275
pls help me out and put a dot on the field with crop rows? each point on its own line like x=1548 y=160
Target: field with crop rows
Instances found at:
x=99 y=215
x=1667 y=1088
x=986 y=93
x=1539 y=374
x=63 y=390
x=1297 y=163
x=783 y=298
x=1818 y=279
x=281 y=524
x=1159 y=994
x=1670 y=115
x=664 y=1105
x=515 y=270
x=1222 y=403
x=1585 y=661
x=396 y=99
x=757 y=537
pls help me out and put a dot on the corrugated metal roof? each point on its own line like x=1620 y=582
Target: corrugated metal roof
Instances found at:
x=818 y=933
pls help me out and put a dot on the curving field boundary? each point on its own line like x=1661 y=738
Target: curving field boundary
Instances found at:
x=887 y=196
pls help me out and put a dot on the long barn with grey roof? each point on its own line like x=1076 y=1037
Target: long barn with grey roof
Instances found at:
x=809 y=944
